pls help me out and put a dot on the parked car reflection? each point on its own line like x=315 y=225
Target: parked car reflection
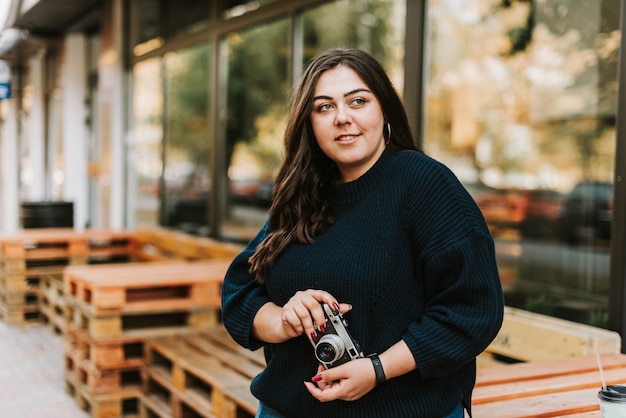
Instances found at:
x=531 y=213
x=587 y=213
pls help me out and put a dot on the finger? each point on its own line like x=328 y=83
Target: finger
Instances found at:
x=345 y=307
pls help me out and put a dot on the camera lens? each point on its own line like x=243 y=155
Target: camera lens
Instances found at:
x=329 y=348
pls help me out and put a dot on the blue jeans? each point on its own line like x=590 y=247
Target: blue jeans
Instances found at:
x=265 y=412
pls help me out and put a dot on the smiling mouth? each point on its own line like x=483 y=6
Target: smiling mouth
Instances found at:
x=346 y=138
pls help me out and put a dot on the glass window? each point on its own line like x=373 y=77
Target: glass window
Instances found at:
x=185 y=15
x=521 y=104
x=186 y=177
x=144 y=24
x=145 y=150
x=375 y=26
x=234 y=8
x=152 y=22
x=258 y=82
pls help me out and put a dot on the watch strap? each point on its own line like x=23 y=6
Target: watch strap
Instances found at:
x=378 y=368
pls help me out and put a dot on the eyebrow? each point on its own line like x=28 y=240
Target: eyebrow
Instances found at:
x=350 y=93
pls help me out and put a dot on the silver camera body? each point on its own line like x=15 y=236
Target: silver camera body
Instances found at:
x=335 y=345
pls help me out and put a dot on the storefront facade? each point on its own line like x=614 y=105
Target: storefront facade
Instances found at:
x=155 y=112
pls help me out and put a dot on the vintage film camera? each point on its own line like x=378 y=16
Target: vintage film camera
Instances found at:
x=335 y=346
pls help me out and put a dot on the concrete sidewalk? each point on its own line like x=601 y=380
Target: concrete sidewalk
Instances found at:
x=32 y=373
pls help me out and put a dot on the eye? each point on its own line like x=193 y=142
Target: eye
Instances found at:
x=324 y=107
x=357 y=102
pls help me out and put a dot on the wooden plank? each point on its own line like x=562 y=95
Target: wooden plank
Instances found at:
x=154 y=244
x=547 y=368
x=549 y=388
x=581 y=401
x=529 y=336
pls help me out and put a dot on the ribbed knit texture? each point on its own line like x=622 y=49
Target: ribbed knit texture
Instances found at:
x=411 y=252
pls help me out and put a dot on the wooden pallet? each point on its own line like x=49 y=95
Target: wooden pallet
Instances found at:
x=42 y=244
x=144 y=324
x=22 y=315
x=113 y=353
x=96 y=380
x=548 y=388
x=139 y=287
x=52 y=303
x=207 y=373
x=157 y=244
x=122 y=404
x=105 y=246
x=527 y=336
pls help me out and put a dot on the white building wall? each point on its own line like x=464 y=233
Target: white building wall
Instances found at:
x=35 y=171
x=9 y=167
x=75 y=129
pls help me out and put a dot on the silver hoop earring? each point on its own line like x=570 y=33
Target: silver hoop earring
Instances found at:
x=387 y=128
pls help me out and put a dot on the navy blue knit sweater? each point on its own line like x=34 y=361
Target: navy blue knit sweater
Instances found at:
x=411 y=252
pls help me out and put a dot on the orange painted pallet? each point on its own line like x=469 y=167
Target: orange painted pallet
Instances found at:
x=547 y=388
x=138 y=287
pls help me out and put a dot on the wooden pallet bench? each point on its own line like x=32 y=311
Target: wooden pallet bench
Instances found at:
x=205 y=374
x=158 y=244
x=138 y=287
x=527 y=336
x=547 y=388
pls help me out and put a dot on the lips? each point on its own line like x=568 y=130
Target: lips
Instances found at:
x=346 y=138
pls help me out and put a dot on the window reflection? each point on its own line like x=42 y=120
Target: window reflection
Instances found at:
x=186 y=178
x=520 y=103
x=257 y=89
x=145 y=148
x=375 y=26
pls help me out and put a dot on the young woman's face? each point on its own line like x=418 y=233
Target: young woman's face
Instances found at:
x=347 y=121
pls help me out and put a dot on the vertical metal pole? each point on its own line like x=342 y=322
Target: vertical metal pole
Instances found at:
x=414 y=46
x=617 y=294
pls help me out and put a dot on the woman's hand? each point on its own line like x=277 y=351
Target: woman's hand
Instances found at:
x=301 y=314
x=349 y=381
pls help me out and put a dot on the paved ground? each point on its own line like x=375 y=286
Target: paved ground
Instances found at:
x=32 y=374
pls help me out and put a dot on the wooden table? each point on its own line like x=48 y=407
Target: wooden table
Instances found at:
x=550 y=388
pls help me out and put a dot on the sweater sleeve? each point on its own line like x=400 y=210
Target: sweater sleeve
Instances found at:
x=454 y=257
x=243 y=296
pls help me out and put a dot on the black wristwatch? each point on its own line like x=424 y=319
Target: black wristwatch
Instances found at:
x=378 y=368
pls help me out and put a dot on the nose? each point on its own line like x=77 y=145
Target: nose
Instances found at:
x=342 y=115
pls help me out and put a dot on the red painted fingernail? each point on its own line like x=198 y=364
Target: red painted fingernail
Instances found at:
x=314 y=336
x=317 y=378
x=336 y=306
x=323 y=327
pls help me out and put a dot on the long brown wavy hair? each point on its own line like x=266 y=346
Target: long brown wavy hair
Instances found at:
x=300 y=208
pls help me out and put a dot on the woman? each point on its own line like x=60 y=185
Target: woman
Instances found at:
x=366 y=223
